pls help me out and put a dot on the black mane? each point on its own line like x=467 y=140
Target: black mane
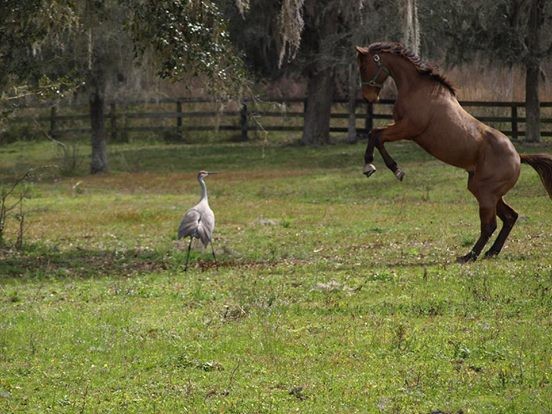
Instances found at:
x=422 y=67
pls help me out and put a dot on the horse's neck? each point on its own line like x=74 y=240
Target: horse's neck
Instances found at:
x=404 y=74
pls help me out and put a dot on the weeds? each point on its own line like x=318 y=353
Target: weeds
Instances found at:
x=11 y=199
x=332 y=294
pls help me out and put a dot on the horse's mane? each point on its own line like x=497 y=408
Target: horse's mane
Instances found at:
x=422 y=67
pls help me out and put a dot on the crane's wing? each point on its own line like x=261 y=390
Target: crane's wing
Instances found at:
x=198 y=222
x=189 y=224
x=206 y=226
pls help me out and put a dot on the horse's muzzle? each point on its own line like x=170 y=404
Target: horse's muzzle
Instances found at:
x=369 y=169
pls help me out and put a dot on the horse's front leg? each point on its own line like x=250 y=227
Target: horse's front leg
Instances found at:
x=373 y=141
x=377 y=138
x=390 y=162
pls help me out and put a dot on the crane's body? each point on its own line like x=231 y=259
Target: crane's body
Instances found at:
x=199 y=221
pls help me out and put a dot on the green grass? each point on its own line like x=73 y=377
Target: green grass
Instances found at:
x=332 y=294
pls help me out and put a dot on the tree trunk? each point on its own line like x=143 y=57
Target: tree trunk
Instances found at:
x=321 y=26
x=96 y=85
x=316 y=127
x=98 y=162
x=411 y=30
x=532 y=104
x=351 y=121
x=532 y=66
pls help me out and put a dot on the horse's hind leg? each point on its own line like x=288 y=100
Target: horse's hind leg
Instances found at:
x=487 y=216
x=508 y=216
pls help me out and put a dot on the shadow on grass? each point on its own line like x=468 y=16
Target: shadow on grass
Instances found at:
x=161 y=157
x=235 y=156
x=87 y=263
x=38 y=262
x=231 y=156
x=79 y=263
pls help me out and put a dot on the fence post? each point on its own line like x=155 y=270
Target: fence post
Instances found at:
x=369 y=120
x=243 y=121
x=53 y=122
x=124 y=121
x=113 y=121
x=514 y=122
x=179 y=119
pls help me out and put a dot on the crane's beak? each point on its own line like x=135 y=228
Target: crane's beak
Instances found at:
x=211 y=173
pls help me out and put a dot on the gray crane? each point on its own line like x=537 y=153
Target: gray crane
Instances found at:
x=199 y=221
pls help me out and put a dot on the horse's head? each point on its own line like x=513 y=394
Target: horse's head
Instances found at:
x=373 y=73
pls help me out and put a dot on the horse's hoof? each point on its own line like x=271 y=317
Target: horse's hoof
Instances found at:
x=369 y=169
x=470 y=257
x=399 y=174
x=491 y=254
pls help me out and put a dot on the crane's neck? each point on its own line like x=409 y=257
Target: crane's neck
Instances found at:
x=203 y=189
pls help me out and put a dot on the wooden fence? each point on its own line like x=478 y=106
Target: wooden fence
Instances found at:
x=179 y=117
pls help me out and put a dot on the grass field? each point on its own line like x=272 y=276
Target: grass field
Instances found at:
x=333 y=293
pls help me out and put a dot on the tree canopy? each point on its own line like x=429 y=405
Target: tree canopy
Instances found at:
x=58 y=46
x=50 y=48
x=46 y=45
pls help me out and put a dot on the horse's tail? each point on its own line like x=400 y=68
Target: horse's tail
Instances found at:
x=542 y=163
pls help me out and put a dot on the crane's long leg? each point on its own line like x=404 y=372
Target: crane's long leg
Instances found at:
x=213 y=251
x=188 y=255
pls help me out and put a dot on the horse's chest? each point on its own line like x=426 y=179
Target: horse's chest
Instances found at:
x=398 y=112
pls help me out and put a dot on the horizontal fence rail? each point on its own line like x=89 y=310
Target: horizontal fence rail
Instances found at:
x=179 y=117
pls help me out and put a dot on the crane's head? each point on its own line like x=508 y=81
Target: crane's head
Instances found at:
x=202 y=174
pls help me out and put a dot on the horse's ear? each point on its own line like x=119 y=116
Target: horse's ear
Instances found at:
x=361 y=50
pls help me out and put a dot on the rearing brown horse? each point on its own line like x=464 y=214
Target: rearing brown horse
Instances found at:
x=427 y=112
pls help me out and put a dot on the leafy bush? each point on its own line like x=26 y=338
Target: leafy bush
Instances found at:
x=18 y=132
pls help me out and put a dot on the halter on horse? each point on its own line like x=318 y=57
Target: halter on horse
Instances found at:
x=427 y=112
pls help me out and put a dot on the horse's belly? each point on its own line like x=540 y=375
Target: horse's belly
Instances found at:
x=453 y=152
